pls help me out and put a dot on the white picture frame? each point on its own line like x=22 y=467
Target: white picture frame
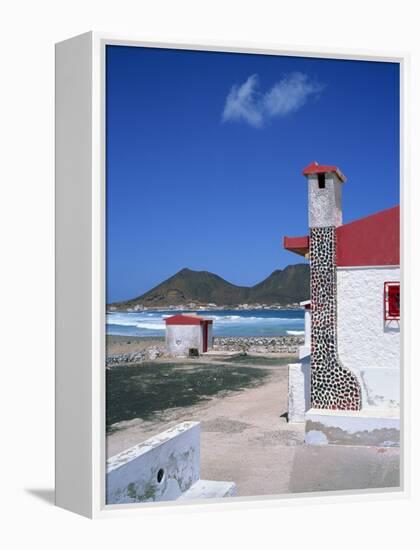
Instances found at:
x=80 y=267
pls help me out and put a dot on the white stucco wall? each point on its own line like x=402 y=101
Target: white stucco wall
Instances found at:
x=165 y=467
x=305 y=350
x=132 y=476
x=367 y=345
x=299 y=390
x=180 y=338
x=210 y=337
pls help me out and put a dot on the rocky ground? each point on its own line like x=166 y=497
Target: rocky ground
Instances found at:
x=122 y=350
x=255 y=344
x=144 y=355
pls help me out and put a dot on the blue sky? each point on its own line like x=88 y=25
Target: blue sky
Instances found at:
x=205 y=152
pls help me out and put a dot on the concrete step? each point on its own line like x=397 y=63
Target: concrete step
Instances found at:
x=209 y=489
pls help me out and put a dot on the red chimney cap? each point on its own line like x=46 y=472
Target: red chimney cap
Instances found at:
x=315 y=168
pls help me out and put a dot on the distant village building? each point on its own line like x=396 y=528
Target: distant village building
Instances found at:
x=348 y=388
x=187 y=334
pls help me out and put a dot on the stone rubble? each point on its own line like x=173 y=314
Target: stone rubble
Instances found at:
x=148 y=354
x=251 y=344
x=255 y=344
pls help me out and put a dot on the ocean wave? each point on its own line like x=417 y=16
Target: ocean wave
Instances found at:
x=151 y=326
x=120 y=322
x=225 y=323
x=236 y=319
x=136 y=321
x=133 y=319
x=224 y=317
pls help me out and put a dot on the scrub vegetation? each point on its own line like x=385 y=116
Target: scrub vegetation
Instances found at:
x=143 y=391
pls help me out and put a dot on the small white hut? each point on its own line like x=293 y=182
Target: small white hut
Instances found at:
x=188 y=332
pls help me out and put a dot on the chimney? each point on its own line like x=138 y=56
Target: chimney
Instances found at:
x=324 y=195
x=333 y=386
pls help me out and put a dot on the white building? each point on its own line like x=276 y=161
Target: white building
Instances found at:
x=354 y=363
x=187 y=332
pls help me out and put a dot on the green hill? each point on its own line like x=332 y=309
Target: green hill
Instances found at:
x=283 y=287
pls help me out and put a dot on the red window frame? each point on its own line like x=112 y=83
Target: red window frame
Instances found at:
x=392 y=301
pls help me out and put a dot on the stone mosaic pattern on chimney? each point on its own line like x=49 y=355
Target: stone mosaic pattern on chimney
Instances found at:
x=333 y=386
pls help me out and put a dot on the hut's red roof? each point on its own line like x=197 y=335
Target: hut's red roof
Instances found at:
x=185 y=319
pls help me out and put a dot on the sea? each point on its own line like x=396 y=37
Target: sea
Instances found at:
x=257 y=322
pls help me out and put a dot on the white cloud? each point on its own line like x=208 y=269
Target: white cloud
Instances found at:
x=243 y=103
x=247 y=103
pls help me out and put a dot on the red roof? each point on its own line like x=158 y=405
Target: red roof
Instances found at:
x=315 y=168
x=299 y=245
x=184 y=319
x=373 y=240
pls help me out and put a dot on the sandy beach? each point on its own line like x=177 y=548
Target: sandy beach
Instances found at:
x=116 y=345
x=245 y=437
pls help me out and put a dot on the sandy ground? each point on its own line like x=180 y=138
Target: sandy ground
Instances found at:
x=245 y=437
x=116 y=345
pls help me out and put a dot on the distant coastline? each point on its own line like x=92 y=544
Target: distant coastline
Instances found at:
x=202 y=290
x=111 y=308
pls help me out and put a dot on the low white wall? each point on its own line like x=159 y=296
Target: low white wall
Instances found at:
x=367 y=345
x=134 y=474
x=180 y=338
x=299 y=390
